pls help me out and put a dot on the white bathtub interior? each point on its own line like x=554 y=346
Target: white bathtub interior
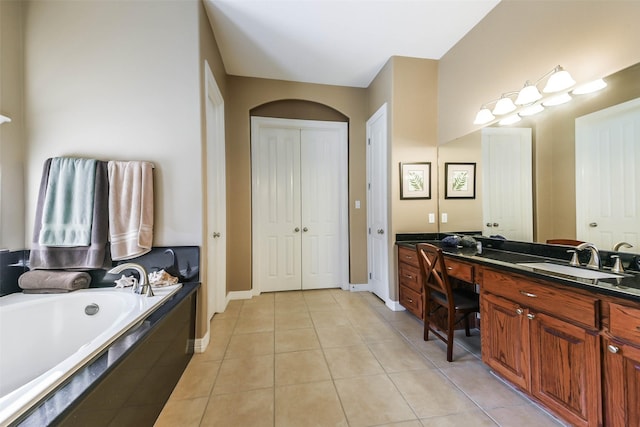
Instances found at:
x=45 y=338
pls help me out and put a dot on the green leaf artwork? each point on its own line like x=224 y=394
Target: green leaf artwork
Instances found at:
x=416 y=181
x=460 y=180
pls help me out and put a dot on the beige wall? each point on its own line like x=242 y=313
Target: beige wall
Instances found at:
x=463 y=214
x=12 y=143
x=247 y=93
x=522 y=40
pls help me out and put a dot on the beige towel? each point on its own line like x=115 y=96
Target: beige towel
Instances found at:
x=52 y=281
x=130 y=208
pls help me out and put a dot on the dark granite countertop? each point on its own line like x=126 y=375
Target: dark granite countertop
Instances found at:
x=506 y=255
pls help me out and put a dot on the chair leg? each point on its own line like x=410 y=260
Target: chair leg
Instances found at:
x=426 y=326
x=466 y=325
x=451 y=318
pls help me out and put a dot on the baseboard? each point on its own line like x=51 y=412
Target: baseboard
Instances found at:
x=200 y=344
x=240 y=295
x=357 y=287
x=394 y=305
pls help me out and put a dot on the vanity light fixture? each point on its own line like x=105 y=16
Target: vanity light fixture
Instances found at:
x=504 y=105
x=560 y=79
x=509 y=120
x=484 y=116
x=528 y=94
x=531 y=110
x=590 y=87
x=557 y=100
x=4 y=119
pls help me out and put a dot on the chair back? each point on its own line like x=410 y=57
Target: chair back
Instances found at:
x=567 y=242
x=434 y=270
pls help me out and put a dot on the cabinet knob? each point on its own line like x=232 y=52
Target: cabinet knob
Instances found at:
x=409 y=276
x=519 y=311
x=410 y=300
x=613 y=349
x=531 y=316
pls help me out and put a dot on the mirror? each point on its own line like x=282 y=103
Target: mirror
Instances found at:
x=554 y=170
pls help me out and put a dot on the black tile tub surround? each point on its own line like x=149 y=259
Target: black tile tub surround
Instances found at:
x=179 y=261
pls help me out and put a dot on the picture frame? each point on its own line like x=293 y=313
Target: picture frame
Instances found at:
x=459 y=180
x=415 y=181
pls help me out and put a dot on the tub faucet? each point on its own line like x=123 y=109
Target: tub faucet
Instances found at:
x=619 y=245
x=143 y=286
x=594 y=261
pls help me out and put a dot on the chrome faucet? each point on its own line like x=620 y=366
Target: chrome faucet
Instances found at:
x=594 y=261
x=619 y=245
x=143 y=286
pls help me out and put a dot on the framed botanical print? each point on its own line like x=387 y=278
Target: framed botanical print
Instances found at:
x=459 y=180
x=415 y=180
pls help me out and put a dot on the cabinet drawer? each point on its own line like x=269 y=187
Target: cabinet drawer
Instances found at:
x=561 y=303
x=624 y=322
x=459 y=270
x=411 y=300
x=408 y=256
x=410 y=277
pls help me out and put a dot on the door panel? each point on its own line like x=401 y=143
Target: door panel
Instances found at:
x=377 y=241
x=607 y=182
x=323 y=175
x=507 y=207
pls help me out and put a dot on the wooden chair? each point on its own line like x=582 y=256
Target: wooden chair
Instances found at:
x=439 y=294
x=567 y=242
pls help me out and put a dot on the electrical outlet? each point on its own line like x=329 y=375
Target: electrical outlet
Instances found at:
x=432 y=218
x=445 y=218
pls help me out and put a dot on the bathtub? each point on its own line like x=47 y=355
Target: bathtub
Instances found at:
x=45 y=338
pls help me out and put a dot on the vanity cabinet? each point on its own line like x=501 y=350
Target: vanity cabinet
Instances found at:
x=621 y=366
x=410 y=290
x=545 y=340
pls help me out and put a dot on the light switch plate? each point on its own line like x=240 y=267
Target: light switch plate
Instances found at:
x=357 y=204
x=432 y=218
x=444 y=218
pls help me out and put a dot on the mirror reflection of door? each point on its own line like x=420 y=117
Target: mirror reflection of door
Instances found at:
x=608 y=176
x=507 y=183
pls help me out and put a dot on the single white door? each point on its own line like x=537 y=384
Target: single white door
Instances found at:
x=216 y=199
x=608 y=176
x=507 y=207
x=378 y=240
x=299 y=196
x=323 y=180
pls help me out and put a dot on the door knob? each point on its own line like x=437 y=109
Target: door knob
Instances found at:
x=380 y=231
x=489 y=224
x=216 y=234
x=593 y=224
x=495 y=224
x=305 y=229
x=296 y=229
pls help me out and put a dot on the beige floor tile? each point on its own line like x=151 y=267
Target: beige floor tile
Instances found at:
x=347 y=362
x=372 y=400
x=436 y=351
x=398 y=357
x=378 y=332
x=339 y=336
x=197 y=380
x=430 y=393
x=329 y=319
x=247 y=345
x=301 y=367
x=474 y=418
x=296 y=340
x=364 y=317
x=251 y=408
x=293 y=320
x=244 y=374
x=216 y=349
x=222 y=326
x=309 y=405
x=527 y=415
x=475 y=380
x=184 y=413
x=232 y=311
x=411 y=329
x=252 y=324
x=414 y=423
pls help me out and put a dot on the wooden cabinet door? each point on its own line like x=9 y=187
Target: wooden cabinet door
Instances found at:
x=565 y=369
x=505 y=339
x=621 y=385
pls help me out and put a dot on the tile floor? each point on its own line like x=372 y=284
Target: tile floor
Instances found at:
x=337 y=358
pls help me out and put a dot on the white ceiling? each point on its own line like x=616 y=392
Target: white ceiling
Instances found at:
x=337 y=42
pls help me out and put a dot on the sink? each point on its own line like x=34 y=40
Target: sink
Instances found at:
x=569 y=271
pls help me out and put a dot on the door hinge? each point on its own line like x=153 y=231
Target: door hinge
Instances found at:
x=368 y=186
x=370 y=276
x=369 y=230
x=369 y=141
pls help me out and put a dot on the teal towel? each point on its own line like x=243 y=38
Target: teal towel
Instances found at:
x=67 y=213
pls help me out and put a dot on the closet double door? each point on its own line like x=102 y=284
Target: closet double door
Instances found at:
x=299 y=204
